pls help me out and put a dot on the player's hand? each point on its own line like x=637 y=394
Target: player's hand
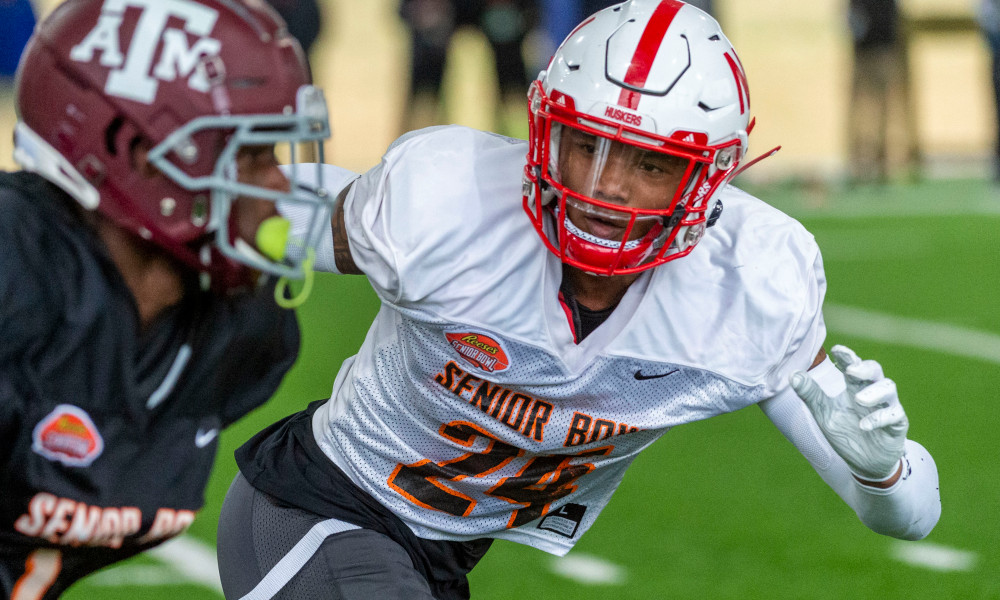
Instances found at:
x=865 y=423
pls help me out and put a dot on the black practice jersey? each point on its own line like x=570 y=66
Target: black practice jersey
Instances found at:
x=109 y=432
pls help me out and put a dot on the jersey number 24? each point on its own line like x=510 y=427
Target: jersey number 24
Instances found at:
x=543 y=479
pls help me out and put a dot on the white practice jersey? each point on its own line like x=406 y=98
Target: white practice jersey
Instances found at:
x=470 y=411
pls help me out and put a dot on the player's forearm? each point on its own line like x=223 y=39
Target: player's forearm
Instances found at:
x=333 y=254
x=908 y=509
x=342 y=259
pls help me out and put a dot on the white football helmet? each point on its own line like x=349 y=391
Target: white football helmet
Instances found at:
x=651 y=83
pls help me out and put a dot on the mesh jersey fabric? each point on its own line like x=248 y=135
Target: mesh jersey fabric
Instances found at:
x=469 y=411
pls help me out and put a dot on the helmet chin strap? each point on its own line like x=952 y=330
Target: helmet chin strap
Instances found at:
x=601 y=254
x=593 y=239
x=297 y=300
x=746 y=166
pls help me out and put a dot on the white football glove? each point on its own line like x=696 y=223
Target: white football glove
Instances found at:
x=865 y=424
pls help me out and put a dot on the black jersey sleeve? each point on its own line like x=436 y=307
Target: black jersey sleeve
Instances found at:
x=27 y=298
x=31 y=255
x=260 y=352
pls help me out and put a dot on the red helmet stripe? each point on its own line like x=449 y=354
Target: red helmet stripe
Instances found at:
x=568 y=37
x=741 y=82
x=645 y=52
x=580 y=26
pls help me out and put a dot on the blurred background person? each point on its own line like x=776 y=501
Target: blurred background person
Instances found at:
x=305 y=23
x=17 y=20
x=432 y=25
x=989 y=21
x=880 y=95
x=304 y=19
x=559 y=17
x=705 y=5
x=521 y=34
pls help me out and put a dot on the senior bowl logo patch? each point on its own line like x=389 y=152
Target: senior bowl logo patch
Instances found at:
x=479 y=350
x=68 y=435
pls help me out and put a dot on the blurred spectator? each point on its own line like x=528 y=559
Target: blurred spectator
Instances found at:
x=432 y=23
x=17 y=21
x=705 y=5
x=561 y=16
x=305 y=22
x=989 y=22
x=507 y=26
x=303 y=17
x=880 y=96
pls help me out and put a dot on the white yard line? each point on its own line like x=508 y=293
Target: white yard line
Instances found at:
x=192 y=558
x=587 y=569
x=913 y=333
x=194 y=561
x=869 y=325
x=185 y=560
x=137 y=575
x=934 y=556
x=924 y=335
x=838 y=208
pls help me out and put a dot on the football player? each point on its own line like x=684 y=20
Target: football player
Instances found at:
x=139 y=277
x=545 y=320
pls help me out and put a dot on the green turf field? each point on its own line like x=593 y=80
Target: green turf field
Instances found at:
x=727 y=509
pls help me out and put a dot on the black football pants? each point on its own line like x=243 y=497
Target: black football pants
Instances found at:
x=267 y=550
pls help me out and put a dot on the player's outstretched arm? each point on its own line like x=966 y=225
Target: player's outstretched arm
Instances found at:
x=333 y=255
x=851 y=427
x=341 y=249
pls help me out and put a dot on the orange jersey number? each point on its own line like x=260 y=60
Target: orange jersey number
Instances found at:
x=543 y=479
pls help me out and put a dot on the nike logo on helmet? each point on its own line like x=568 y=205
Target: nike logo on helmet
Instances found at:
x=640 y=377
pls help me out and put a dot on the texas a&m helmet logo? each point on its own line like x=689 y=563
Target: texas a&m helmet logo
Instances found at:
x=68 y=435
x=133 y=74
x=479 y=350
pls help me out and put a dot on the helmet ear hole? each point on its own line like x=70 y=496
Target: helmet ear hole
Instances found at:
x=138 y=149
x=110 y=135
x=726 y=158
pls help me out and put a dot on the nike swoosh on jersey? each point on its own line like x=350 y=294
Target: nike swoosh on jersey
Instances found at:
x=203 y=438
x=640 y=377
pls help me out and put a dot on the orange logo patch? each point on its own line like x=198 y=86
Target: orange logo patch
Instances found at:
x=479 y=351
x=68 y=435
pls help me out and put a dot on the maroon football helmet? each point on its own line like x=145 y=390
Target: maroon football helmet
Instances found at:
x=192 y=80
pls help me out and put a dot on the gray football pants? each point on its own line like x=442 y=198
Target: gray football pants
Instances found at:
x=270 y=551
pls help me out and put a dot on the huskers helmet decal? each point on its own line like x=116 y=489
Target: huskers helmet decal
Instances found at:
x=480 y=351
x=133 y=75
x=68 y=435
